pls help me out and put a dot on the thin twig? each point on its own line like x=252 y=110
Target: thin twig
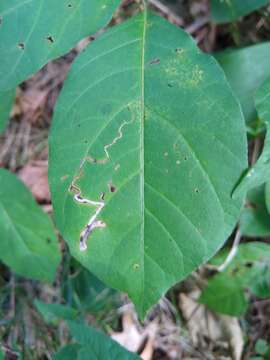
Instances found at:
x=232 y=252
x=166 y=11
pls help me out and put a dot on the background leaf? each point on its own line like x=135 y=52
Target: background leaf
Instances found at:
x=255 y=219
x=237 y=65
x=224 y=295
x=249 y=269
x=54 y=312
x=150 y=134
x=28 y=242
x=6 y=102
x=97 y=345
x=259 y=173
x=228 y=10
x=31 y=34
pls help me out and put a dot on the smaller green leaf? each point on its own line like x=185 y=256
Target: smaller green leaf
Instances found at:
x=261 y=287
x=260 y=172
x=223 y=11
x=32 y=32
x=28 y=241
x=261 y=347
x=224 y=295
x=97 y=345
x=257 y=174
x=6 y=102
x=267 y=196
x=262 y=101
x=86 y=292
x=237 y=65
x=52 y=313
x=225 y=292
x=255 y=219
x=68 y=352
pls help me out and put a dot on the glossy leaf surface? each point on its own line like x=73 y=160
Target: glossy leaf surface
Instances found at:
x=147 y=126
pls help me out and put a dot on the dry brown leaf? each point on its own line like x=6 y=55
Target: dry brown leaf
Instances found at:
x=35 y=177
x=202 y=324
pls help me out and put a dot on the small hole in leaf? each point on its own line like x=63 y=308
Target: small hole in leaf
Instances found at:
x=50 y=39
x=112 y=188
x=170 y=85
x=196 y=191
x=178 y=50
x=48 y=240
x=154 y=61
x=102 y=197
x=185 y=158
x=249 y=264
x=136 y=266
x=69 y=6
x=1 y=20
x=21 y=46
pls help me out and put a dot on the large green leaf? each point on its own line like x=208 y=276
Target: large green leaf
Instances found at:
x=228 y=10
x=146 y=126
x=6 y=102
x=245 y=70
x=28 y=242
x=32 y=32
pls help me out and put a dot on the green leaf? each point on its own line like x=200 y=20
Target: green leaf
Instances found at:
x=87 y=292
x=267 y=196
x=244 y=82
x=224 y=295
x=260 y=172
x=262 y=101
x=68 y=352
x=28 y=242
x=255 y=219
x=249 y=269
x=96 y=345
x=146 y=126
x=54 y=312
x=32 y=32
x=228 y=10
x=6 y=102
x=261 y=347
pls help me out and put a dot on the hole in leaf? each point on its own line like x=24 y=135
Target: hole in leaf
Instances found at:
x=1 y=20
x=50 y=39
x=196 y=191
x=170 y=85
x=249 y=264
x=154 y=61
x=69 y=6
x=112 y=188
x=21 y=46
x=178 y=50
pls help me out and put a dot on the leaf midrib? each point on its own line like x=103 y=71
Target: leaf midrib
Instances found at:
x=142 y=144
